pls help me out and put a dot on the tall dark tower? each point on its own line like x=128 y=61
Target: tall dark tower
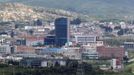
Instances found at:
x=61 y=31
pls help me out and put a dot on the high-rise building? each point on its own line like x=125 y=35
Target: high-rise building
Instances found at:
x=61 y=31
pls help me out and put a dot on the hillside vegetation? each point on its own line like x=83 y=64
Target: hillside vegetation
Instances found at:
x=21 y=12
x=93 y=8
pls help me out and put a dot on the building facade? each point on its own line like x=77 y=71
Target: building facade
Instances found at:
x=111 y=52
x=129 y=45
x=61 y=31
x=5 y=49
x=85 y=39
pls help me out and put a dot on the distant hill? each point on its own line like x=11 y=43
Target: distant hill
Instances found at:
x=21 y=12
x=97 y=8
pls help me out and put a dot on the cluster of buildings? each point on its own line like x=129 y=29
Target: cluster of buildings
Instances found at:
x=44 y=44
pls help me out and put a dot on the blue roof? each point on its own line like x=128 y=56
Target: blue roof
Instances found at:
x=55 y=50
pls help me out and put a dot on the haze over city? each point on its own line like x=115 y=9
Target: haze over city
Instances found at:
x=66 y=37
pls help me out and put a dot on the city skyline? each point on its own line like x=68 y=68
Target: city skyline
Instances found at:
x=74 y=37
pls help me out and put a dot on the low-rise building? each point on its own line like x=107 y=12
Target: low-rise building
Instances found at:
x=111 y=52
x=41 y=62
x=30 y=40
x=72 y=52
x=33 y=41
x=85 y=39
x=99 y=43
x=5 y=49
x=24 y=49
x=90 y=56
x=129 y=45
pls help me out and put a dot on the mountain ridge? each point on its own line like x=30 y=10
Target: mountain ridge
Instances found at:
x=98 y=8
x=21 y=12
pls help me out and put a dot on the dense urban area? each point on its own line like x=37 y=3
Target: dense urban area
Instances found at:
x=63 y=44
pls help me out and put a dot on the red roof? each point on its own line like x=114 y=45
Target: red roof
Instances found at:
x=34 y=38
x=25 y=49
